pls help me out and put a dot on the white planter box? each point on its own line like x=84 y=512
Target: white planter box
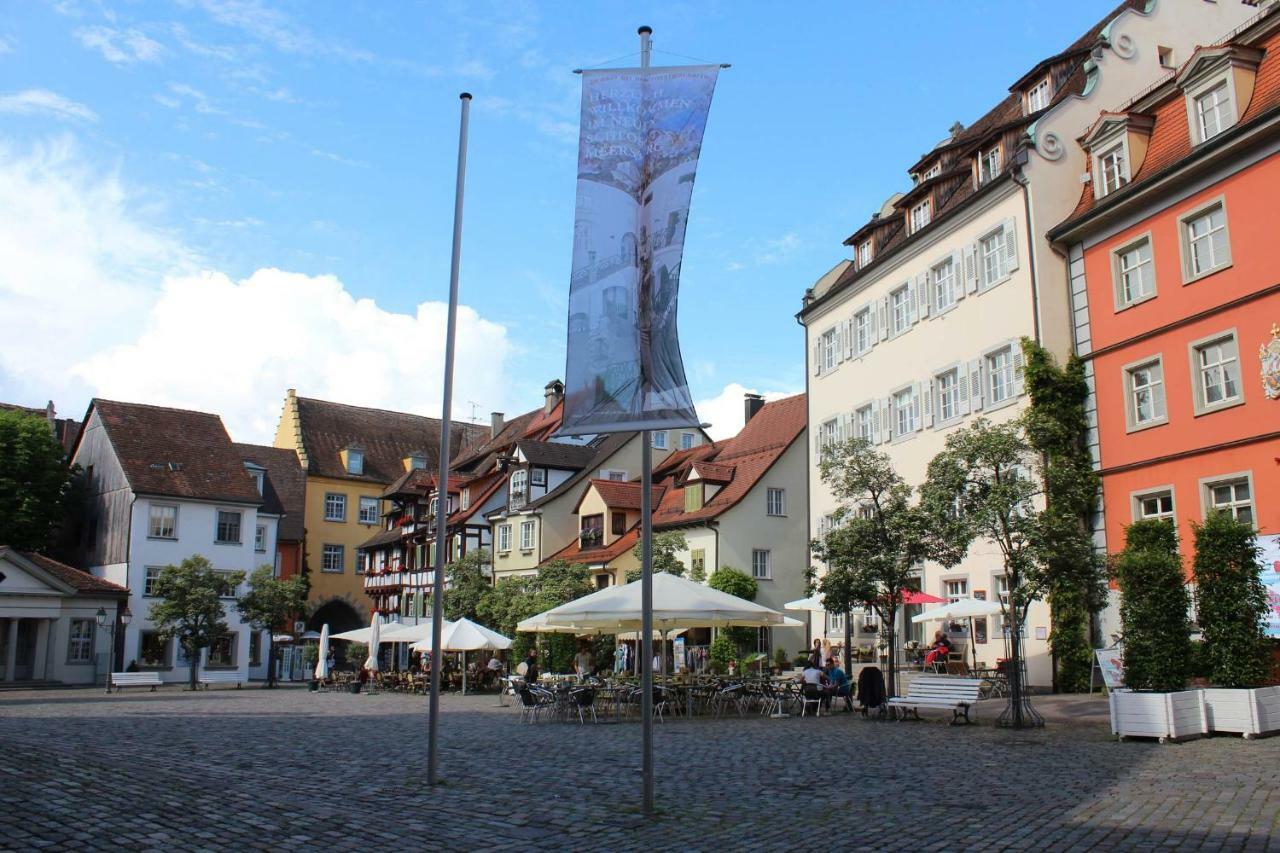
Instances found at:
x=1246 y=711
x=1167 y=716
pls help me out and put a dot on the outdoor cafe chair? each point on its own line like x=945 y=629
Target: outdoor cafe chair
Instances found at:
x=584 y=699
x=811 y=695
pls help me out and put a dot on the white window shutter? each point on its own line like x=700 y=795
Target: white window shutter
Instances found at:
x=962 y=389
x=848 y=339
x=882 y=309
x=817 y=442
x=917 y=405
x=1157 y=396
x=817 y=356
x=971 y=268
x=924 y=294
x=1010 y=245
x=838 y=331
x=913 y=301
x=926 y=389
x=873 y=336
x=1015 y=347
x=957 y=267
x=875 y=421
x=886 y=417
x=975 y=384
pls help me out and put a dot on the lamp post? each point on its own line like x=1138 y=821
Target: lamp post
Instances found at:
x=110 y=625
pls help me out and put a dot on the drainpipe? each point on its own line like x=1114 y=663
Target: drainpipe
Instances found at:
x=1021 y=180
x=808 y=481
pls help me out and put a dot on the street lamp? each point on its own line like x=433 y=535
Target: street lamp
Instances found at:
x=110 y=624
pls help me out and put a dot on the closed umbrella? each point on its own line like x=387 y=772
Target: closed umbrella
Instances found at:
x=322 y=661
x=964 y=608
x=375 y=631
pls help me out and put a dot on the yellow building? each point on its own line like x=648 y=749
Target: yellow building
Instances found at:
x=350 y=454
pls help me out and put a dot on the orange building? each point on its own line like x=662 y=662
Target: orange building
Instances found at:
x=1174 y=266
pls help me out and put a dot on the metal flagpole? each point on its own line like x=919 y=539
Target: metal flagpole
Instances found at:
x=442 y=484
x=646 y=566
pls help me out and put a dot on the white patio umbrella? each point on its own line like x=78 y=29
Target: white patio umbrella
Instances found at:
x=375 y=631
x=465 y=636
x=398 y=633
x=813 y=602
x=322 y=660
x=964 y=608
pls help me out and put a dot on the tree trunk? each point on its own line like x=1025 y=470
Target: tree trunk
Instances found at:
x=848 y=642
x=194 y=656
x=1015 y=668
x=891 y=683
x=271 y=660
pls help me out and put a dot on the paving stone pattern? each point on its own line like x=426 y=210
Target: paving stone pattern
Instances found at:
x=245 y=769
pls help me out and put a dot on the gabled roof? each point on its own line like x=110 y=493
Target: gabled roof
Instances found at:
x=575 y=553
x=556 y=454
x=387 y=439
x=284 y=487
x=74 y=579
x=537 y=424
x=604 y=450
x=711 y=472
x=617 y=494
x=175 y=452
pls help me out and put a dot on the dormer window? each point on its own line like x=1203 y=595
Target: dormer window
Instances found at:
x=355 y=461
x=920 y=215
x=417 y=462
x=1218 y=84
x=988 y=164
x=1117 y=145
x=519 y=489
x=934 y=171
x=1038 y=97
x=864 y=253
x=1213 y=113
x=1113 y=169
x=258 y=478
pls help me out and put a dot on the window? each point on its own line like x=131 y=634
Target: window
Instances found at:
x=592 y=531
x=864 y=253
x=1205 y=248
x=830 y=433
x=988 y=164
x=1216 y=372
x=956 y=589
x=504 y=537
x=900 y=309
x=153 y=649
x=865 y=424
x=686 y=440
x=944 y=285
x=1166 y=56
x=1146 y=403
x=830 y=349
x=1000 y=375
x=835 y=623
x=149 y=580
x=228 y=532
x=335 y=507
x=992 y=252
x=776 y=501
x=332 y=558
x=519 y=480
x=698 y=561
x=692 y=497
x=417 y=462
x=80 y=641
x=1113 y=173
x=760 y=568
x=464 y=497
x=1135 y=273
x=538 y=476
x=660 y=439
x=259 y=478
x=862 y=331
x=618 y=523
x=1213 y=112
x=602 y=581
x=614 y=475
x=1038 y=97
x=368 y=510
x=906 y=412
x=920 y=215
x=934 y=171
x=526 y=536
x=164 y=522
x=222 y=651
x=255 y=648
x=948 y=385
x=1233 y=496
x=1153 y=505
x=355 y=461
x=260 y=538
x=229 y=588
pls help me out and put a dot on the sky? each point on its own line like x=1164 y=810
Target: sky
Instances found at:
x=204 y=203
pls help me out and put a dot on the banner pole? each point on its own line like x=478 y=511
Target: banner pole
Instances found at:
x=442 y=484
x=646 y=561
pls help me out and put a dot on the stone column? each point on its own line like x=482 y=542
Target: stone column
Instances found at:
x=11 y=653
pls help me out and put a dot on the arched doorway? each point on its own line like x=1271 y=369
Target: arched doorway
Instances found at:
x=338 y=613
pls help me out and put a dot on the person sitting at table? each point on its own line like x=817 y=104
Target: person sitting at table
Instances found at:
x=941 y=648
x=839 y=683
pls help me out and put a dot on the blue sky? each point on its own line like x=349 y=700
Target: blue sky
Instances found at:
x=210 y=201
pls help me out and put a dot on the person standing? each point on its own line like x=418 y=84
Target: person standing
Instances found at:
x=531 y=667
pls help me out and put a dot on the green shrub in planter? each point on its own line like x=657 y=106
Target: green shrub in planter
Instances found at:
x=1154 y=608
x=723 y=650
x=355 y=654
x=780 y=658
x=1231 y=602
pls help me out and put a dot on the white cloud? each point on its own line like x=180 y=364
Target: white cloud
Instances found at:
x=120 y=47
x=725 y=411
x=96 y=300
x=42 y=101
x=6 y=45
x=274 y=27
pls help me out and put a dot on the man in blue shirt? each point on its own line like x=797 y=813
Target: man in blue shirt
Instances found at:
x=839 y=683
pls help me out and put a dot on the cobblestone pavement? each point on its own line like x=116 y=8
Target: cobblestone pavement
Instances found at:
x=284 y=770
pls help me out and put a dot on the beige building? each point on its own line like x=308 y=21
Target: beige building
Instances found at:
x=918 y=333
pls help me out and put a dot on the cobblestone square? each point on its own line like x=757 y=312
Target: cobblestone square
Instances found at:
x=256 y=769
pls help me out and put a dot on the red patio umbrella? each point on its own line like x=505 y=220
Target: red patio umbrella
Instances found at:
x=910 y=596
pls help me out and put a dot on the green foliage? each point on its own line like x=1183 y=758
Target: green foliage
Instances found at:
x=467 y=586
x=310 y=656
x=780 y=658
x=517 y=598
x=723 y=649
x=1153 y=608
x=1074 y=574
x=269 y=603
x=355 y=654
x=735 y=582
x=190 y=604
x=35 y=484
x=1231 y=602
x=666 y=545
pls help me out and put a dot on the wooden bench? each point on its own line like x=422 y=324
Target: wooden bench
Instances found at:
x=229 y=676
x=938 y=691
x=121 y=680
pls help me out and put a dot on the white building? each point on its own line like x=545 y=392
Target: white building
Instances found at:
x=165 y=485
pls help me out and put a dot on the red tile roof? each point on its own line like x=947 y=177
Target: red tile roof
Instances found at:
x=82 y=581
x=574 y=552
x=617 y=494
x=285 y=486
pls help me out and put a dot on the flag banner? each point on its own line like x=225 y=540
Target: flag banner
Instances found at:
x=637 y=156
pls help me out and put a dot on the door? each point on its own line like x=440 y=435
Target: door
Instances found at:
x=24 y=665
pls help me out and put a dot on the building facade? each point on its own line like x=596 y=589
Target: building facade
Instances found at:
x=1177 y=305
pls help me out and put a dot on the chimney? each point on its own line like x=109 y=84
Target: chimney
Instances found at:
x=554 y=394
x=753 y=403
x=495 y=424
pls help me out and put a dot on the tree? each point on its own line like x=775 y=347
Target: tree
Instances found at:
x=517 y=598
x=1231 y=601
x=1075 y=578
x=665 y=547
x=878 y=538
x=269 y=603
x=467 y=586
x=739 y=583
x=190 y=605
x=1154 y=607
x=35 y=483
x=983 y=486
